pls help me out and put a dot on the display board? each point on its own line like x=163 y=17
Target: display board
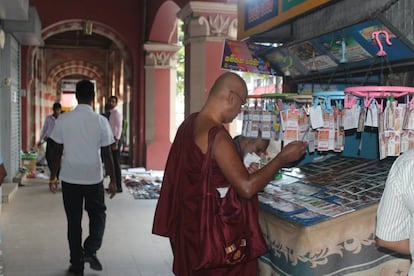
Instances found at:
x=259 y=15
x=243 y=56
x=353 y=46
x=326 y=189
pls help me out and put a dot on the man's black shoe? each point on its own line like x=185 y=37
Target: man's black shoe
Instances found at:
x=93 y=261
x=119 y=191
x=78 y=271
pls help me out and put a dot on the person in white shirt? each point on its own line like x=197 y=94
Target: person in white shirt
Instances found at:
x=395 y=214
x=48 y=128
x=81 y=136
x=115 y=121
x=50 y=123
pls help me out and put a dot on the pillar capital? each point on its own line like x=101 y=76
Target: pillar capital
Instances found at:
x=161 y=55
x=209 y=21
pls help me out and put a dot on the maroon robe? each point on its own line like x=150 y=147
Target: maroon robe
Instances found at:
x=179 y=210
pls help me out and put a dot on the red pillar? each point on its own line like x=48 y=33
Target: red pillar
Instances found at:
x=160 y=91
x=206 y=26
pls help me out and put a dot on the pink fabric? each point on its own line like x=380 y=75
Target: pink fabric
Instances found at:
x=185 y=203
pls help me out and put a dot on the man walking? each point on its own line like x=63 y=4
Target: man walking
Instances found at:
x=115 y=121
x=47 y=129
x=81 y=135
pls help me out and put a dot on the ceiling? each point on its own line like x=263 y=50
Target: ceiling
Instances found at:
x=77 y=39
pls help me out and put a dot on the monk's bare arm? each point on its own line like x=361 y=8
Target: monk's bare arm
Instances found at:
x=245 y=184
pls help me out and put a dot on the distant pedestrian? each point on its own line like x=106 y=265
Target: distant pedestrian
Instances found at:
x=48 y=126
x=115 y=120
x=107 y=111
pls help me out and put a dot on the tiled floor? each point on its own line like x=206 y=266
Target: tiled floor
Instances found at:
x=33 y=231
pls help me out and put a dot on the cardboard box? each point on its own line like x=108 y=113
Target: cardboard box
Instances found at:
x=29 y=160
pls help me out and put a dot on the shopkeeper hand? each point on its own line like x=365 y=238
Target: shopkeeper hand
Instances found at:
x=53 y=184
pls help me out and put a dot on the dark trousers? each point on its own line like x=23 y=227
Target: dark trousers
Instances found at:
x=74 y=197
x=48 y=156
x=116 y=156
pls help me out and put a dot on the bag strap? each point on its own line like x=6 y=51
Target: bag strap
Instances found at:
x=207 y=158
x=206 y=167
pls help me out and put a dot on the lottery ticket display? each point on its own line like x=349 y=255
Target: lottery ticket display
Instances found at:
x=315 y=119
x=325 y=189
x=390 y=108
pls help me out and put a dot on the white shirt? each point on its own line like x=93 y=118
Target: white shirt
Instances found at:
x=48 y=126
x=395 y=212
x=115 y=121
x=82 y=133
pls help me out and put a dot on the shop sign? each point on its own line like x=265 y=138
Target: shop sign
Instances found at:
x=244 y=56
x=256 y=16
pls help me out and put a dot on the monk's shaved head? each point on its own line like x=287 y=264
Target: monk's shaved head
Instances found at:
x=229 y=81
x=226 y=97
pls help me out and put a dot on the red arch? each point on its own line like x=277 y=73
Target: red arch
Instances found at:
x=98 y=28
x=164 y=26
x=77 y=67
x=34 y=55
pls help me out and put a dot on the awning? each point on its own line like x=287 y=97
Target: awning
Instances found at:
x=359 y=51
x=331 y=41
x=369 y=47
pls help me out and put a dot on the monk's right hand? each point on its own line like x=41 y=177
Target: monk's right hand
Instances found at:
x=292 y=152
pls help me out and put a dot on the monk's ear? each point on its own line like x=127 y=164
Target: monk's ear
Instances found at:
x=230 y=99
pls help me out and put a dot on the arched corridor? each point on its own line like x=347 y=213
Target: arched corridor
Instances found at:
x=129 y=51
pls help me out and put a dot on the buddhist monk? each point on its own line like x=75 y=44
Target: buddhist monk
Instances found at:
x=208 y=205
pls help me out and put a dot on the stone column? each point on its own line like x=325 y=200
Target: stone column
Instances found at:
x=160 y=94
x=206 y=26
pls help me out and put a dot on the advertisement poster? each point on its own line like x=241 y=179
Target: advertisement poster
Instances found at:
x=243 y=56
x=279 y=58
x=259 y=11
x=351 y=51
x=366 y=33
x=311 y=58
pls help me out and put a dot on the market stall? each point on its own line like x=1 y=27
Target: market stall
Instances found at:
x=320 y=217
